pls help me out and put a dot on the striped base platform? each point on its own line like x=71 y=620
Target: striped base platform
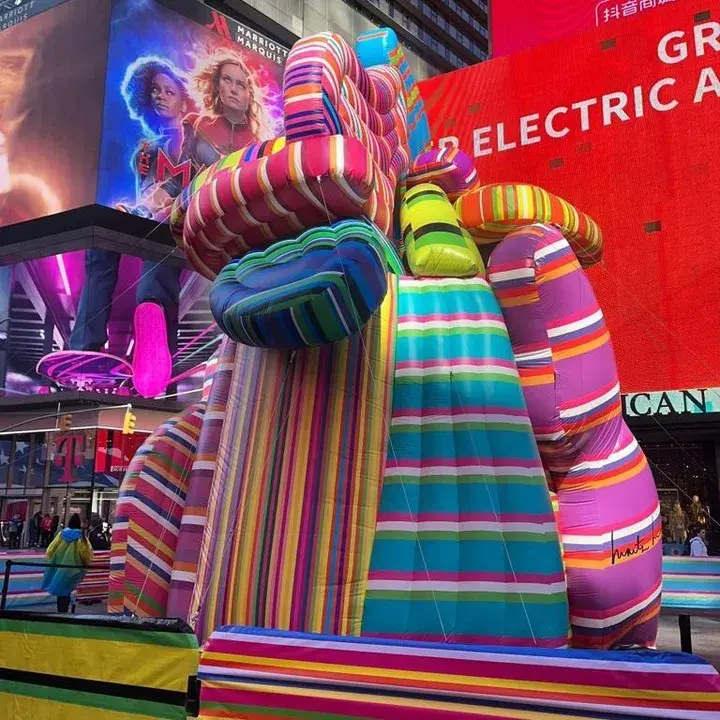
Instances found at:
x=24 y=586
x=691 y=585
x=75 y=667
x=94 y=586
x=254 y=674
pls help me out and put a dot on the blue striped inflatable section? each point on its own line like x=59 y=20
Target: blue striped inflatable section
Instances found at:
x=466 y=547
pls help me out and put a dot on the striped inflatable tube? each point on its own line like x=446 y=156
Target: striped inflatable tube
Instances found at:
x=447 y=167
x=211 y=367
x=225 y=165
x=466 y=547
x=294 y=497
x=493 y=211
x=381 y=47
x=192 y=525
x=253 y=674
x=346 y=148
x=94 y=586
x=309 y=183
x=326 y=91
x=312 y=291
x=608 y=505
x=435 y=244
x=24 y=587
x=148 y=514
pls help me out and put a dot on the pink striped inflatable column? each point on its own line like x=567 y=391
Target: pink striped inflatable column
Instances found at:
x=608 y=504
x=192 y=526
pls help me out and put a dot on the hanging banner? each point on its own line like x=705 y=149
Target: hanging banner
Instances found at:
x=621 y=121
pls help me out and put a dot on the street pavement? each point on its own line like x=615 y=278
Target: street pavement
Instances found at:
x=705 y=637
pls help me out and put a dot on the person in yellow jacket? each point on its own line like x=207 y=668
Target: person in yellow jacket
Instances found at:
x=70 y=555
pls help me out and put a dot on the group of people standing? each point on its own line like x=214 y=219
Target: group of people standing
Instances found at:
x=690 y=527
x=41 y=530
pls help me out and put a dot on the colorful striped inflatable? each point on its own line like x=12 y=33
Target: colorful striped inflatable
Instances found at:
x=192 y=525
x=228 y=163
x=608 y=505
x=435 y=244
x=346 y=148
x=255 y=674
x=59 y=666
x=211 y=367
x=24 y=587
x=294 y=499
x=447 y=167
x=691 y=585
x=381 y=47
x=94 y=586
x=466 y=548
x=148 y=514
x=493 y=211
x=313 y=290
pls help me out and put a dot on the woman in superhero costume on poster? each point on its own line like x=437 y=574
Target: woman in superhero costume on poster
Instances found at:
x=156 y=96
x=231 y=116
x=178 y=143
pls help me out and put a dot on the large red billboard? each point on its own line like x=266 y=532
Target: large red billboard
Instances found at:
x=622 y=122
x=520 y=24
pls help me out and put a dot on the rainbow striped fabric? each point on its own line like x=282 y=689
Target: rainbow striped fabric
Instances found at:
x=691 y=585
x=435 y=244
x=264 y=675
x=192 y=525
x=381 y=47
x=466 y=548
x=226 y=164
x=313 y=290
x=492 y=211
x=25 y=583
x=326 y=91
x=346 y=148
x=449 y=168
x=608 y=504
x=94 y=586
x=211 y=367
x=311 y=182
x=84 y=668
x=292 y=509
x=148 y=514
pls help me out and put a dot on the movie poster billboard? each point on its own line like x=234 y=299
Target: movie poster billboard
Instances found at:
x=181 y=92
x=52 y=66
x=622 y=123
x=170 y=93
x=519 y=24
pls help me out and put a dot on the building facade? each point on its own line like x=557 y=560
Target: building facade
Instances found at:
x=48 y=470
x=437 y=36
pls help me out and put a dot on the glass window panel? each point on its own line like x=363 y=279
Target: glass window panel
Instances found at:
x=38 y=462
x=5 y=455
x=20 y=461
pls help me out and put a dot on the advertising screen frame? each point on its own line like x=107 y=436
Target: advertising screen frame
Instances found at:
x=620 y=122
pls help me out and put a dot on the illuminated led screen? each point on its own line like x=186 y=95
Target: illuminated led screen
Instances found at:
x=622 y=122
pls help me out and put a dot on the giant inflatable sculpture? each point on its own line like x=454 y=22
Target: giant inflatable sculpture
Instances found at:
x=396 y=443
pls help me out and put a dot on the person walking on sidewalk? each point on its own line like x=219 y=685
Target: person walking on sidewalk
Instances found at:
x=69 y=548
